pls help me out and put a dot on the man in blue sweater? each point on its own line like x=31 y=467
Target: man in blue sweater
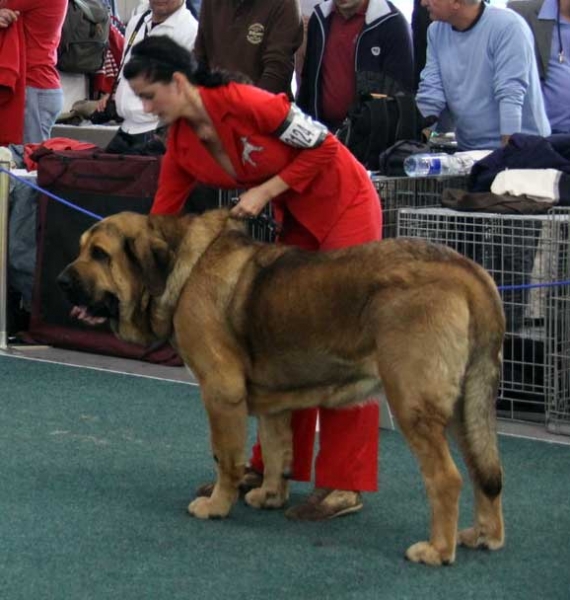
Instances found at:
x=481 y=70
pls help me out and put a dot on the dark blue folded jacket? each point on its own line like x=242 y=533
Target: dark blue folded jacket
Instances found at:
x=522 y=152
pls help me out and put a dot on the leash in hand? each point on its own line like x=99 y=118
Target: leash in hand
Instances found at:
x=263 y=219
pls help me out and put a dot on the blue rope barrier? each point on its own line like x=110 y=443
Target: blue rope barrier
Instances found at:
x=53 y=196
x=530 y=286
x=263 y=219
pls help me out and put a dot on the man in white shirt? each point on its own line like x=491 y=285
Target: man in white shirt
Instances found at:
x=139 y=132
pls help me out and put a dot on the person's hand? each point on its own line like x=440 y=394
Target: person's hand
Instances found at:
x=7 y=17
x=251 y=203
x=102 y=102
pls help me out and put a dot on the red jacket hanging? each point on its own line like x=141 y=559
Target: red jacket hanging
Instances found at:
x=12 y=83
x=102 y=82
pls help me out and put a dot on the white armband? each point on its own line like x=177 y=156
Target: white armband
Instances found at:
x=301 y=131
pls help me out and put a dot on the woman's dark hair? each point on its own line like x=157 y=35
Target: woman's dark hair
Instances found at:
x=158 y=57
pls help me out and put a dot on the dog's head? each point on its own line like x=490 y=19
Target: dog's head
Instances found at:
x=123 y=263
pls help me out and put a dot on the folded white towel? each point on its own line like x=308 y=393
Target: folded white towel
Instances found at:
x=540 y=184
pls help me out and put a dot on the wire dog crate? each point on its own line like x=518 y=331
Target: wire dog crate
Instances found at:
x=521 y=253
x=558 y=323
x=410 y=192
x=394 y=192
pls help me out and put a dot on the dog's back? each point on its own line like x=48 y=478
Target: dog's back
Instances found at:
x=351 y=306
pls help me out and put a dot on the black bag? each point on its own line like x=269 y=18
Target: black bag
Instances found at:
x=376 y=123
x=103 y=184
x=391 y=161
x=84 y=37
x=108 y=114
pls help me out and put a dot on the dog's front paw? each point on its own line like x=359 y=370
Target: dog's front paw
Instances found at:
x=424 y=552
x=207 y=508
x=265 y=498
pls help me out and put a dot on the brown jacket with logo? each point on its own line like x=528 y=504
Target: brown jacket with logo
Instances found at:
x=255 y=37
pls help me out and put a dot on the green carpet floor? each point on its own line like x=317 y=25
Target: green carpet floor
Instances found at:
x=97 y=470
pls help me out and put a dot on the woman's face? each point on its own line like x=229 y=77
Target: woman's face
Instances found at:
x=163 y=100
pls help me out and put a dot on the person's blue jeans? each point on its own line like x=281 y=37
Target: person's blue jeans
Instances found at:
x=42 y=109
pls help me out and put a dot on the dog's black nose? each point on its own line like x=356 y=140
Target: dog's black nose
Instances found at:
x=64 y=280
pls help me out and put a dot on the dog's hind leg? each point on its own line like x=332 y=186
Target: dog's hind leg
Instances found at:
x=277 y=447
x=423 y=425
x=475 y=429
x=228 y=429
x=488 y=530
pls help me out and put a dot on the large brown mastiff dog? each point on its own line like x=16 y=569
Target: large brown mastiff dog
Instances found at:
x=269 y=329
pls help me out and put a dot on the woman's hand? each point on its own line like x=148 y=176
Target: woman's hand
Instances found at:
x=251 y=203
x=7 y=17
x=102 y=102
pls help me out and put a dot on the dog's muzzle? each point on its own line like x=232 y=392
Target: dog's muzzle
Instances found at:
x=107 y=307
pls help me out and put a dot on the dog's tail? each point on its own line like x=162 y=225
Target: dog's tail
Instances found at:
x=480 y=386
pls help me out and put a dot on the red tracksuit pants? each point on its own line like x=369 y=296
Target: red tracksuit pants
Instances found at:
x=348 y=438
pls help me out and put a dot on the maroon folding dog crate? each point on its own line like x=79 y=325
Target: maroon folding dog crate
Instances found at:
x=103 y=184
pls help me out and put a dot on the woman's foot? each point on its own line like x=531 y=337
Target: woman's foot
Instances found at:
x=324 y=503
x=251 y=479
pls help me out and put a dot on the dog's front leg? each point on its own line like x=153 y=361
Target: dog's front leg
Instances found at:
x=161 y=318
x=228 y=428
x=277 y=447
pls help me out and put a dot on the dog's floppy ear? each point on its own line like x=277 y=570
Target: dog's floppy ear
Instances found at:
x=153 y=259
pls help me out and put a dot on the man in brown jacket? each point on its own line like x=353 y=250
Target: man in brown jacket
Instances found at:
x=258 y=38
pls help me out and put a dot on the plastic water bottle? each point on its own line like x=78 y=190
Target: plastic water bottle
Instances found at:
x=425 y=165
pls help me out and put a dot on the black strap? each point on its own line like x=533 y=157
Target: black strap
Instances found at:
x=379 y=119
x=407 y=125
x=127 y=50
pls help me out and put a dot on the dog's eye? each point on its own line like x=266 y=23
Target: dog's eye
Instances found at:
x=99 y=254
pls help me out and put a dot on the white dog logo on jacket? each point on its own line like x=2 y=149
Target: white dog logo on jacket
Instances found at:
x=247 y=150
